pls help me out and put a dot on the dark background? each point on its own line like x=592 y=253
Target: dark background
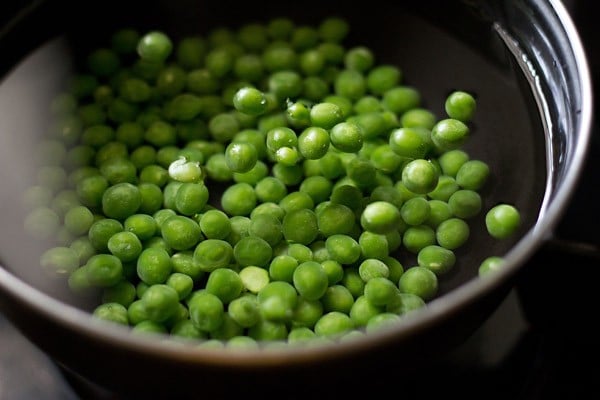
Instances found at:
x=542 y=343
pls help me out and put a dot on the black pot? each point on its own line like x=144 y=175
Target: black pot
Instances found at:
x=524 y=61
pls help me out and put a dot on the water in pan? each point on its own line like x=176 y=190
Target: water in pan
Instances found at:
x=507 y=132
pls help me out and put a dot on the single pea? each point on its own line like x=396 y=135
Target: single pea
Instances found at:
x=417 y=237
x=300 y=226
x=452 y=233
x=191 y=198
x=300 y=336
x=419 y=281
x=78 y=220
x=206 y=311
x=250 y=101
x=122 y=293
x=380 y=217
x=372 y=268
x=103 y=62
x=160 y=302
x=347 y=137
x=335 y=219
x=183 y=262
x=277 y=301
x=490 y=265
x=154 y=46
x=83 y=248
x=373 y=245
x=449 y=134
x=362 y=172
x=126 y=246
x=190 y=51
x=113 y=312
x=285 y=84
x=438 y=259
x=502 y=220
x=415 y=211
x=460 y=105
x=451 y=161
x=313 y=142
x=337 y=298
x=304 y=37
x=343 y=248
x=310 y=280
x=400 y=99
x=267 y=227
x=465 y=203
x=383 y=78
x=472 y=175
x=418 y=118
x=154 y=265
x=325 y=115
x=269 y=332
x=219 y=61
x=60 y=260
x=244 y=310
x=420 y=176
x=238 y=199
x=282 y=267
x=270 y=190
x=224 y=283
x=414 y=143
x=439 y=212
x=445 y=188
x=211 y=254
x=362 y=310
x=299 y=251
x=249 y=67
x=359 y=58
x=351 y=84
x=333 y=323
x=104 y=270
x=333 y=29
x=306 y=313
x=380 y=291
x=121 y=200
x=252 y=250
x=241 y=157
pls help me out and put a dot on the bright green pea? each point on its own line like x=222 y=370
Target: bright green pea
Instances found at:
x=400 y=99
x=154 y=265
x=206 y=311
x=125 y=245
x=238 y=199
x=333 y=323
x=250 y=101
x=224 y=283
x=277 y=301
x=351 y=84
x=380 y=217
x=417 y=237
x=310 y=280
x=121 y=200
x=449 y=134
x=460 y=105
x=313 y=142
x=465 y=203
x=472 y=175
x=335 y=219
x=180 y=233
x=347 y=137
x=343 y=248
x=415 y=211
x=325 y=115
x=419 y=281
x=300 y=226
x=211 y=254
x=252 y=250
x=502 y=221
x=104 y=270
x=191 y=198
x=241 y=157
x=438 y=259
x=452 y=233
x=413 y=143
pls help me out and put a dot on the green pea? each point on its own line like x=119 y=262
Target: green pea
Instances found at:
x=502 y=221
x=211 y=254
x=437 y=259
x=460 y=105
x=419 y=281
x=310 y=280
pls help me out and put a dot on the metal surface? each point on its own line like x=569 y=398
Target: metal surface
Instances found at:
x=459 y=52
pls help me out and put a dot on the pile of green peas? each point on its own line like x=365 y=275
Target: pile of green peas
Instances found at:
x=255 y=185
